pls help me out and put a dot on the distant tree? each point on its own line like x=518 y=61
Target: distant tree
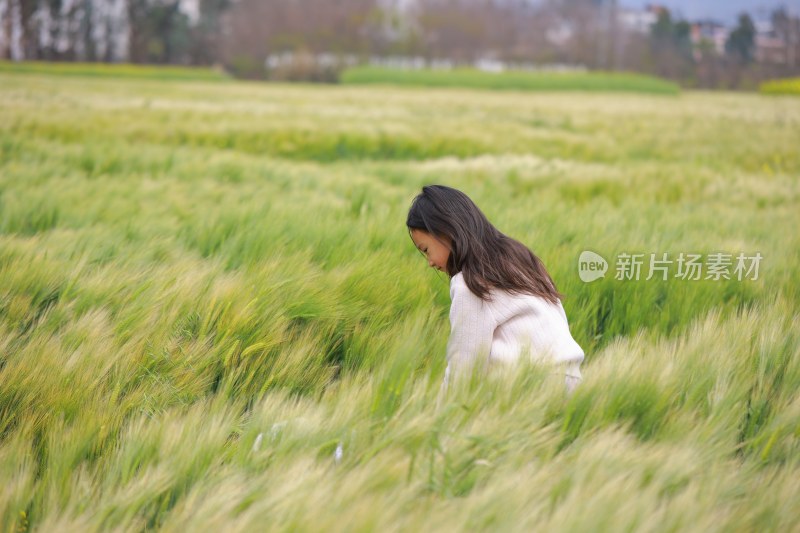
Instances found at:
x=112 y=24
x=257 y=29
x=671 y=47
x=672 y=34
x=584 y=32
x=89 y=44
x=158 y=31
x=29 y=28
x=168 y=30
x=741 y=42
x=53 y=13
x=453 y=29
x=8 y=28
x=136 y=11
x=206 y=34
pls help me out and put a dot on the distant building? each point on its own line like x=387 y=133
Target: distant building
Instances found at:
x=712 y=32
x=769 y=46
x=638 y=20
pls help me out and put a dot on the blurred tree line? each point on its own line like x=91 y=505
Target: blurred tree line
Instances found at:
x=312 y=39
x=137 y=31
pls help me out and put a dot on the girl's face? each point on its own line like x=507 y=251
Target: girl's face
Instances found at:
x=435 y=248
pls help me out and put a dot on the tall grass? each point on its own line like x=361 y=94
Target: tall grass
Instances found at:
x=511 y=80
x=224 y=336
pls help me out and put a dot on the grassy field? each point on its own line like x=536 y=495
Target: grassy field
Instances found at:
x=511 y=80
x=113 y=70
x=212 y=316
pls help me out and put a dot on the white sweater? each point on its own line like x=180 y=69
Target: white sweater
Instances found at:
x=506 y=326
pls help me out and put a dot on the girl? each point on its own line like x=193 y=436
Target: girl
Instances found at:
x=503 y=300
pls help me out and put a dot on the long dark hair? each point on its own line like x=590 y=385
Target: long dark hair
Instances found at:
x=486 y=257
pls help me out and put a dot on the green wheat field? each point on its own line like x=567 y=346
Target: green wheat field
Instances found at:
x=212 y=317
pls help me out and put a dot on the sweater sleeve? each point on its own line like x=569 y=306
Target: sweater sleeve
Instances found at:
x=472 y=326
